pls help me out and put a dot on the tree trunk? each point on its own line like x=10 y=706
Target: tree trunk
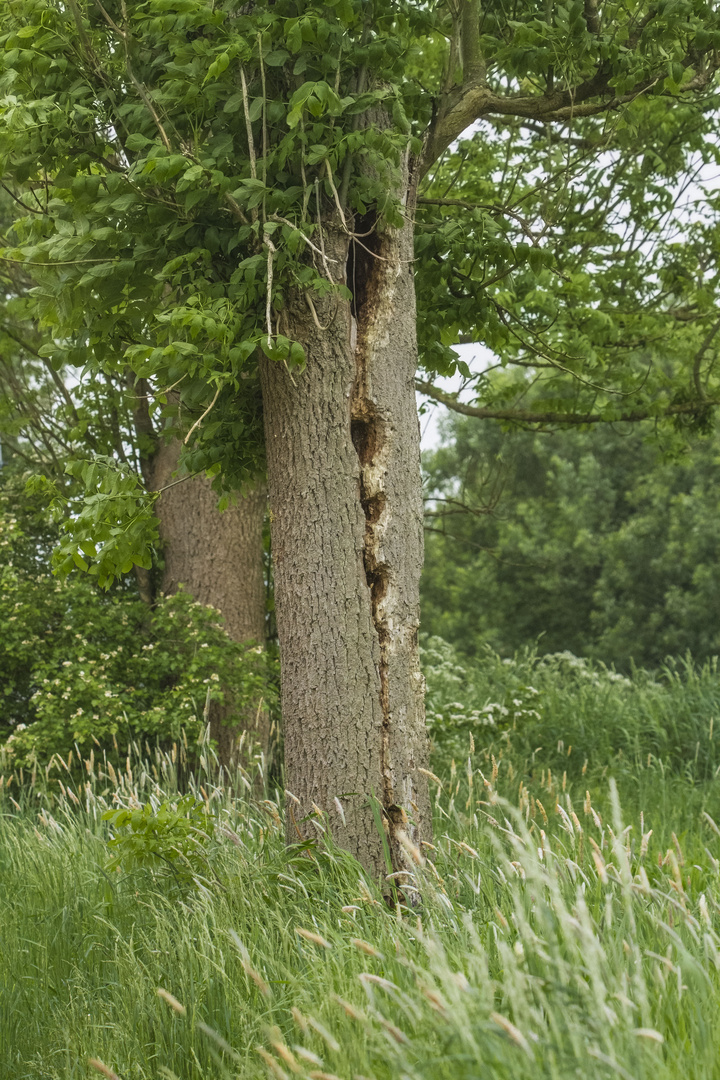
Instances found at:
x=218 y=558
x=343 y=449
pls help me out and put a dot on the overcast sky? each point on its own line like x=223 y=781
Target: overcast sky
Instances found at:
x=477 y=357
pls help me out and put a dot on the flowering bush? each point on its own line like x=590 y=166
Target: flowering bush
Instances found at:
x=464 y=700
x=79 y=666
x=580 y=714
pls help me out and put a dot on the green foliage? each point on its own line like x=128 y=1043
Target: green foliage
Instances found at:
x=595 y=541
x=581 y=258
x=114 y=525
x=166 y=262
x=177 y=170
x=563 y=928
x=171 y=835
x=80 y=667
x=578 y=718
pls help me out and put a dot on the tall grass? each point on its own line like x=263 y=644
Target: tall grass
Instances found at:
x=542 y=934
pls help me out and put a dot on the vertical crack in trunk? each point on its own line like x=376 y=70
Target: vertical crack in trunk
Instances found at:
x=370 y=433
x=347 y=572
x=367 y=431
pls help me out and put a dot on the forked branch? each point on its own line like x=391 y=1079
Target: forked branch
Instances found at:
x=473 y=100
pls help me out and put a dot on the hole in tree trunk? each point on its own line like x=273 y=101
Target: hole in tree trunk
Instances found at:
x=361 y=261
x=366 y=434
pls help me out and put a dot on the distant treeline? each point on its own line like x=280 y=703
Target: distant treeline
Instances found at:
x=605 y=542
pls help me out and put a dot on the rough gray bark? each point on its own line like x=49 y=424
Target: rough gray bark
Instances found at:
x=218 y=558
x=343 y=451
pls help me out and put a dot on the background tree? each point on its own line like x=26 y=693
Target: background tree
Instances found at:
x=217 y=555
x=600 y=542
x=55 y=421
x=228 y=194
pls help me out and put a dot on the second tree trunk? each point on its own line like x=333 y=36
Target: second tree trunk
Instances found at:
x=218 y=558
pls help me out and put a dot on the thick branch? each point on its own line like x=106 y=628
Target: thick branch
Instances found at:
x=592 y=17
x=699 y=357
x=145 y=433
x=531 y=416
x=466 y=104
x=473 y=101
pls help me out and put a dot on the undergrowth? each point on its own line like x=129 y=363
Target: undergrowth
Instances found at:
x=564 y=922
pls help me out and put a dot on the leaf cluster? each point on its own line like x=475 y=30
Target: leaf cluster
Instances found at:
x=80 y=667
x=601 y=542
x=173 y=836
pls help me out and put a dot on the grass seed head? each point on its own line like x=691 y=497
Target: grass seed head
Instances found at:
x=286 y=1054
x=100 y=1067
x=307 y=1055
x=350 y=1010
x=316 y=939
x=172 y=1001
x=513 y=1032
x=649 y=1033
x=300 y=1020
x=366 y=947
x=324 y=1034
x=271 y=1063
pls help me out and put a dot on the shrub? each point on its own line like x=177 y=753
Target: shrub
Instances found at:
x=79 y=666
x=172 y=836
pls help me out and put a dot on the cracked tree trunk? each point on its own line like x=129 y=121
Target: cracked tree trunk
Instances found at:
x=343 y=451
x=218 y=558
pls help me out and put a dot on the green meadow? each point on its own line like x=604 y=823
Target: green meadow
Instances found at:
x=564 y=922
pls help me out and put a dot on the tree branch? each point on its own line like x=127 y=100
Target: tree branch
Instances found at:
x=473 y=62
x=530 y=416
x=60 y=385
x=474 y=100
x=146 y=436
x=468 y=204
x=592 y=17
x=699 y=357
x=470 y=102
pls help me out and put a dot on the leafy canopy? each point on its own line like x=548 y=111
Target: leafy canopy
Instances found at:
x=179 y=164
x=603 y=542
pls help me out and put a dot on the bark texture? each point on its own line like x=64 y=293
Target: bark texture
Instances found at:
x=343 y=449
x=218 y=558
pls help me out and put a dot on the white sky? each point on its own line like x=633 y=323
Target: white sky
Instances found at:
x=477 y=357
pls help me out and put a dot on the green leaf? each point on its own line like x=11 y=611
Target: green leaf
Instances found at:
x=233 y=103
x=277 y=348
x=136 y=141
x=217 y=67
x=276 y=58
x=297 y=356
x=255 y=109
